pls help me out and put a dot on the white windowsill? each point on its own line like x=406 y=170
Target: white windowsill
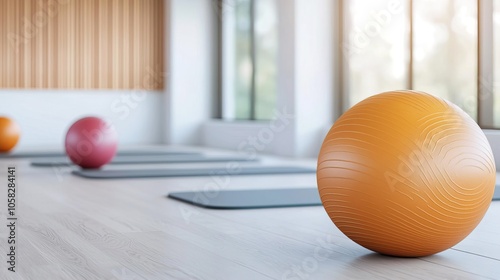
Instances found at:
x=249 y=136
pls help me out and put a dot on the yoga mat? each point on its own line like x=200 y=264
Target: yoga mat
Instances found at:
x=64 y=161
x=149 y=173
x=250 y=199
x=120 y=153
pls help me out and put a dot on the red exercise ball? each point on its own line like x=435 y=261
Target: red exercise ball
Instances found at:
x=9 y=134
x=91 y=142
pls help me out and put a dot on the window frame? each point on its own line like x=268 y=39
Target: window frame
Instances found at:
x=485 y=82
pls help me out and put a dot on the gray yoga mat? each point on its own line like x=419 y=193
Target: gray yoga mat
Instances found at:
x=249 y=199
x=64 y=161
x=149 y=173
x=120 y=153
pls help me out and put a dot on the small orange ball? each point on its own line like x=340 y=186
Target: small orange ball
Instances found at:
x=9 y=134
x=405 y=173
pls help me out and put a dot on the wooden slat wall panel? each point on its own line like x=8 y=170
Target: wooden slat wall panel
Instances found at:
x=82 y=44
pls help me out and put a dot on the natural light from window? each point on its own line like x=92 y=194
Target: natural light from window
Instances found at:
x=376 y=48
x=445 y=50
x=255 y=57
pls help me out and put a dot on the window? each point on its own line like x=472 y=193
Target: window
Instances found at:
x=375 y=49
x=445 y=50
x=424 y=45
x=249 y=58
x=441 y=47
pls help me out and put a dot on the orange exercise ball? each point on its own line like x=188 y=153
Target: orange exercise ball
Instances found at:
x=9 y=134
x=405 y=173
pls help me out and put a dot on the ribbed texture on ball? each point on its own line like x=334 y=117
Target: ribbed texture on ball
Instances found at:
x=406 y=174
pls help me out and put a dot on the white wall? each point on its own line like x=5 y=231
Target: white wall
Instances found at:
x=306 y=74
x=45 y=115
x=192 y=57
x=314 y=73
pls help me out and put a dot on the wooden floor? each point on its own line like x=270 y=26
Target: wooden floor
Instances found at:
x=76 y=228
